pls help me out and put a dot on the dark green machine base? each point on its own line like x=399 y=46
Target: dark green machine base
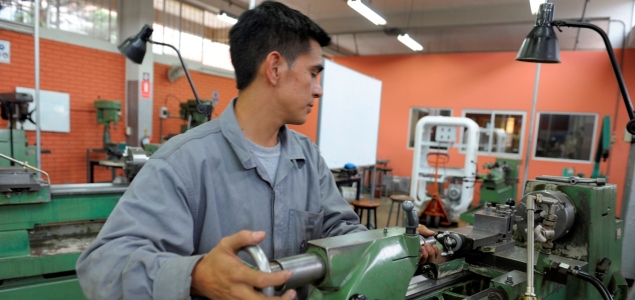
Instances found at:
x=58 y=288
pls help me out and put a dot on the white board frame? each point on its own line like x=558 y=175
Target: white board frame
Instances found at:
x=55 y=113
x=348 y=120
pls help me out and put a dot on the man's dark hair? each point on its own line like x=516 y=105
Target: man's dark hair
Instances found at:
x=271 y=26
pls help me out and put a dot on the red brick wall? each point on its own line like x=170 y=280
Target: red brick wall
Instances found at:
x=86 y=74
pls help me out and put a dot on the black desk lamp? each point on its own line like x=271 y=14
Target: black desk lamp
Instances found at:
x=541 y=46
x=134 y=48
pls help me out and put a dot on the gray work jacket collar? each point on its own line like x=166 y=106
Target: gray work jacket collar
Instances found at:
x=233 y=133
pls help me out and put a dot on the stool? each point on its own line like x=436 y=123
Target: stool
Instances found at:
x=383 y=174
x=399 y=199
x=366 y=178
x=361 y=205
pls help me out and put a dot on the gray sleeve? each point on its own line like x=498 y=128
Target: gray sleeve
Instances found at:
x=144 y=249
x=339 y=218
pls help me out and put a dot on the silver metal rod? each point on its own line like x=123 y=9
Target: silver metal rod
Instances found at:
x=26 y=165
x=427 y=240
x=532 y=121
x=36 y=39
x=530 y=246
x=306 y=268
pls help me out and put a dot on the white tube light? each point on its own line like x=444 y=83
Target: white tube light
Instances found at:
x=366 y=11
x=223 y=16
x=535 y=5
x=408 y=41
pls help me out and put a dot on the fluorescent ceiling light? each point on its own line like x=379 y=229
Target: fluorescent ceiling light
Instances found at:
x=223 y=16
x=535 y=5
x=408 y=41
x=366 y=11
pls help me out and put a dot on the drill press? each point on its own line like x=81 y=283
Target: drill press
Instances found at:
x=108 y=111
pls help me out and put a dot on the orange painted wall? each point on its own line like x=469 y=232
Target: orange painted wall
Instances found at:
x=583 y=82
x=170 y=94
x=85 y=74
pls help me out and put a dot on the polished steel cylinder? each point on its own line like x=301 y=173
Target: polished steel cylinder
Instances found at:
x=427 y=240
x=531 y=207
x=306 y=268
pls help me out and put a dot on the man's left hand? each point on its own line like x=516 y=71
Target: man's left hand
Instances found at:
x=429 y=253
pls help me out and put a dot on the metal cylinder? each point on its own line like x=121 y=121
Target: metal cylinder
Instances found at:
x=427 y=240
x=306 y=268
x=530 y=246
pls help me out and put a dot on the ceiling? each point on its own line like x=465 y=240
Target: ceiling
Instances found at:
x=452 y=26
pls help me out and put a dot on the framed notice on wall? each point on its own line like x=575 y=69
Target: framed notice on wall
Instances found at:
x=55 y=113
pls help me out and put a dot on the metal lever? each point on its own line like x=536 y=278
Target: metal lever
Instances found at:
x=262 y=263
x=412 y=221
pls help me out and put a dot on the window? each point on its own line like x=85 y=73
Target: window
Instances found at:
x=500 y=131
x=95 y=18
x=416 y=113
x=198 y=34
x=565 y=136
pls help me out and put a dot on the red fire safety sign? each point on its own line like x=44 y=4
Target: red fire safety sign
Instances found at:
x=145 y=85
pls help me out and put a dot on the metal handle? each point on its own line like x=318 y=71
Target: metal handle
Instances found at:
x=427 y=240
x=412 y=221
x=262 y=263
x=26 y=165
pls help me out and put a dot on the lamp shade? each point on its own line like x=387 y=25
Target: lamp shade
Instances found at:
x=134 y=47
x=541 y=44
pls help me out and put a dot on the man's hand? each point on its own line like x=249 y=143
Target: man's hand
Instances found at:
x=221 y=274
x=429 y=253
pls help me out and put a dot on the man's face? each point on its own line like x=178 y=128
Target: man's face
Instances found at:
x=299 y=86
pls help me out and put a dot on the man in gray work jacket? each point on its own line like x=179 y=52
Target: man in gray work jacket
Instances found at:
x=242 y=179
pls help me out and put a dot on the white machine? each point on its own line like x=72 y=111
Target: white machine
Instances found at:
x=446 y=137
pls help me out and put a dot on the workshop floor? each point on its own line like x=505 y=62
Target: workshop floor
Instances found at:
x=384 y=209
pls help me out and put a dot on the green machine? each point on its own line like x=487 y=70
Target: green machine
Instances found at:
x=13 y=141
x=575 y=242
x=575 y=245
x=189 y=113
x=44 y=228
x=108 y=111
x=575 y=252
x=498 y=185
x=375 y=264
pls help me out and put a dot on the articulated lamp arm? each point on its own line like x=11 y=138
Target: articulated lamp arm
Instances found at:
x=201 y=108
x=618 y=74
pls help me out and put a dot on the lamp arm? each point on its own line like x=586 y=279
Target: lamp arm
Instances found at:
x=200 y=107
x=618 y=74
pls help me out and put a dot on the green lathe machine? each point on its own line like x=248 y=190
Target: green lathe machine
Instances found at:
x=44 y=228
x=577 y=253
x=497 y=186
x=576 y=244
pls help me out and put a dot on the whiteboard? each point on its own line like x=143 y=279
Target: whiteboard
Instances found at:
x=55 y=113
x=348 y=120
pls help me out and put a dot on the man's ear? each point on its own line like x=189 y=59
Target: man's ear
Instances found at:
x=274 y=62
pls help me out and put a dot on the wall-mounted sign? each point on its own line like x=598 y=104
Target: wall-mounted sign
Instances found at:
x=145 y=85
x=5 y=52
